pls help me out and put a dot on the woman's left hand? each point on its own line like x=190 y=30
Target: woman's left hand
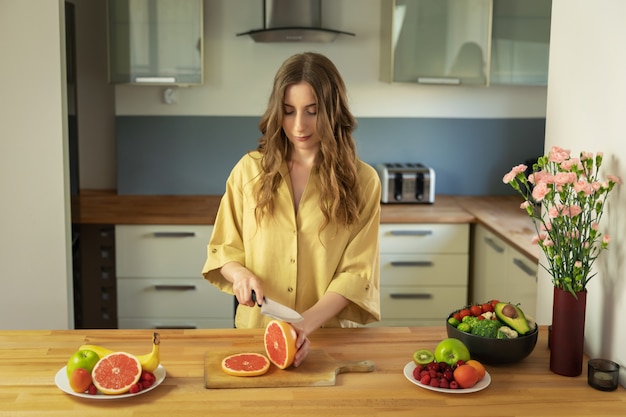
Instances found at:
x=302 y=343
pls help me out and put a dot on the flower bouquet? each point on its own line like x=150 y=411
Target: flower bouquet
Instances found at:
x=565 y=198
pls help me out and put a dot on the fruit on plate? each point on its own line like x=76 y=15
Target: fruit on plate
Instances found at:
x=512 y=316
x=480 y=369
x=82 y=359
x=149 y=361
x=423 y=357
x=80 y=380
x=245 y=364
x=116 y=372
x=466 y=376
x=451 y=351
x=280 y=343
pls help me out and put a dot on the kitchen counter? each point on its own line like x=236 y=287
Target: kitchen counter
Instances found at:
x=501 y=214
x=29 y=359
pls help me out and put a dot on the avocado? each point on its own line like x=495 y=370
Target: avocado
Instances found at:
x=513 y=317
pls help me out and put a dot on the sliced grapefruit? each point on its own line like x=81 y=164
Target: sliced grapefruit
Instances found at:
x=116 y=372
x=245 y=364
x=280 y=343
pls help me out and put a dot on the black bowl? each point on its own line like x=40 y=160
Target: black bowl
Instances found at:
x=496 y=351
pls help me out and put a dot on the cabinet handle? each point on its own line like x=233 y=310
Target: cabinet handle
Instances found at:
x=412 y=263
x=521 y=265
x=182 y=326
x=173 y=234
x=411 y=296
x=164 y=287
x=494 y=245
x=411 y=232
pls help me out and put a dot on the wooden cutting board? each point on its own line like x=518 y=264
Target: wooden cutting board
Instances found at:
x=319 y=369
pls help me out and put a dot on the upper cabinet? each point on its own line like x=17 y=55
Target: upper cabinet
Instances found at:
x=465 y=42
x=155 y=42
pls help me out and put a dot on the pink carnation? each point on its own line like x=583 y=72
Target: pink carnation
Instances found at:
x=613 y=178
x=558 y=155
x=513 y=173
x=583 y=186
x=540 y=191
x=564 y=178
x=606 y=239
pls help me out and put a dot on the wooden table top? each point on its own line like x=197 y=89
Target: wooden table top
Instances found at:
x=29 y=359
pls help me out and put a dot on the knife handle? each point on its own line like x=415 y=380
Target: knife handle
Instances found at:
x=254 y=298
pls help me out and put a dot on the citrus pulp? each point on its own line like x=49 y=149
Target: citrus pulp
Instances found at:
x=116 y=372
x=280 y=343
x=245 y=364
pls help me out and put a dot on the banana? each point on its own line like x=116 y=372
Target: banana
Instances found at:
x=100 y=351
x=149 y=362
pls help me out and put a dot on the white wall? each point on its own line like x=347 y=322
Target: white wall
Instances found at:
x=585 y=112
x=35 y=256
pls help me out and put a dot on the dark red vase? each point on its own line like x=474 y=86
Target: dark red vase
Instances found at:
x=568 y=332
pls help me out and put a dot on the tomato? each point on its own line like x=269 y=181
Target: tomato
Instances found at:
x=493 y=303
x=476 y=310
x=464 y=312
x=487 y=307
x=457 y=316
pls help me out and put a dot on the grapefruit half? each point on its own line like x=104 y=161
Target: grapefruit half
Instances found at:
x=280 y=343
x=245 y=364
x=116 y=372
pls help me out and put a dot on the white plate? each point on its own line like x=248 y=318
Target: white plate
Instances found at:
x=480 y=385
x=64 y=384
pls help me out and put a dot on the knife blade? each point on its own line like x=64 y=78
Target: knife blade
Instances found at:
x=277 y=311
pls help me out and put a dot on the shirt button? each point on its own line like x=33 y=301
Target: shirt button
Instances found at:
x=213 y=250
x=367 y=287
x=289 y=289
x=293 y=261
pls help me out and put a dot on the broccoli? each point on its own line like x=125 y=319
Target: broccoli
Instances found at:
x=471 y=320
x=486 y=328
x=505 y=332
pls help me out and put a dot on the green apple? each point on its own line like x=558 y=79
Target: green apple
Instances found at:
x=451 y=351
x=85 y=359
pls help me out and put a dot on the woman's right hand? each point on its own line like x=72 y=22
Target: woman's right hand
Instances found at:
x=244 y=282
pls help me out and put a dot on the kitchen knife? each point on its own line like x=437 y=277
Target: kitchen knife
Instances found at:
x=277 y=311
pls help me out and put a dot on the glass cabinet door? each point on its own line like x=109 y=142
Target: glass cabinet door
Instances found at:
x=155 y=41
x=520 y=42
x=441 y=41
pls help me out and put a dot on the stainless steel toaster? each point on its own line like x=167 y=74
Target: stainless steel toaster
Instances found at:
x=406 y=183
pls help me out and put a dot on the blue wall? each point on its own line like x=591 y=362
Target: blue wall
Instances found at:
x=193 y=155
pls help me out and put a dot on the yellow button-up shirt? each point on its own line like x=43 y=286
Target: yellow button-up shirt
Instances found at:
x=295 y=261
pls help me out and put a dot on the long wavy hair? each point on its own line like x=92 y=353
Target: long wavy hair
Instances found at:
x=336 y=161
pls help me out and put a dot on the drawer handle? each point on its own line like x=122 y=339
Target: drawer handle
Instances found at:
x=176 y=327
x=163 y=287
x=411 y=296
x=412 y=263
x=411 y=232
x=174 y=234
x=521 y=265
x=494 y=245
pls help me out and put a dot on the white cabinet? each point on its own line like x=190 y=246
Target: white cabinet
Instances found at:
x=501 y=272
x=424 y=272
x=155 y=42
x=465 y=42
x=159 y=280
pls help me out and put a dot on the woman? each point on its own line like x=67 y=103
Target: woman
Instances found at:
x=298 y=222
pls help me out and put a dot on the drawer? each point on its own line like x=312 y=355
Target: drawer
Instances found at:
x=424 y=238
x=161 y=251
x=397 y=269
x=186 y=323
x=172 y=298
x=420 y=302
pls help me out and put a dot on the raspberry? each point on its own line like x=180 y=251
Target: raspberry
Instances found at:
x=147 y=376
x=433 y=373
x=448 y=375
x=454 y=385
x=433 y=366
x=459 y=363
x=416 y=373
x=92 y=390
x=434 y=382
x=135 y=388
x=424 y=373
x=425 y=380
x=444 y=383
x=146 y=384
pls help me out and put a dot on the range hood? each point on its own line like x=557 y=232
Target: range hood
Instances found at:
x=293 y=21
